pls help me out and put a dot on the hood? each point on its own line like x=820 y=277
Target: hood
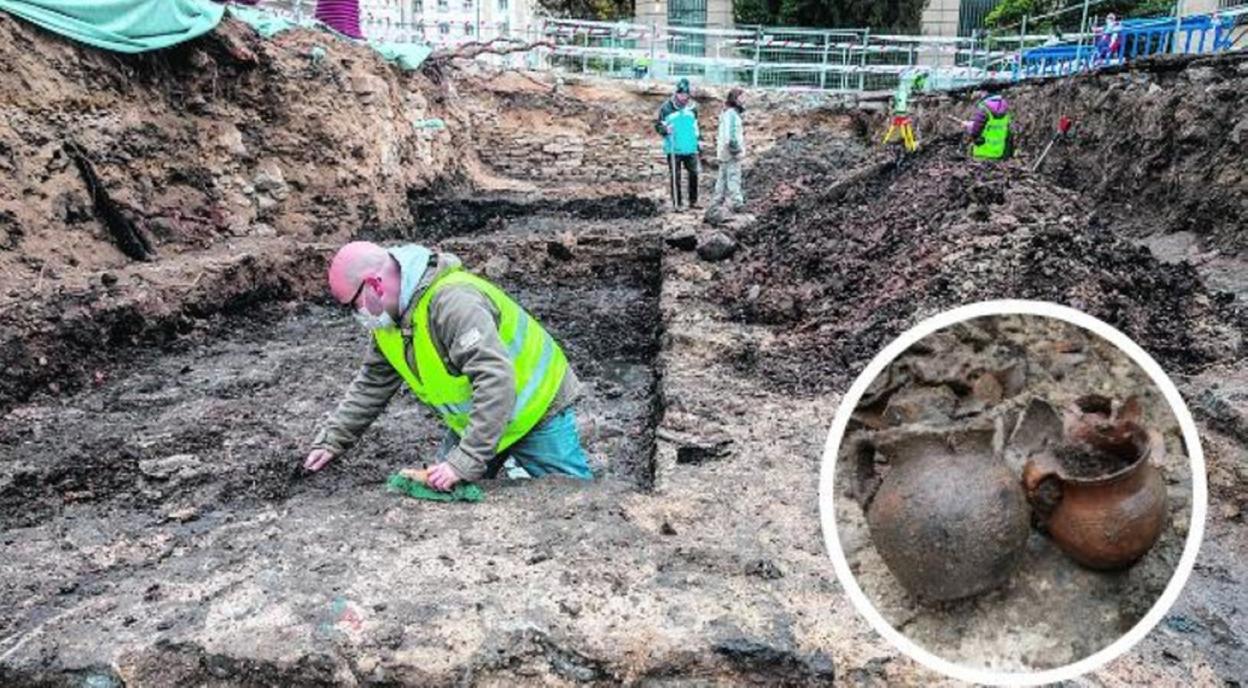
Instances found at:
x=997 y=105
x=418 y=268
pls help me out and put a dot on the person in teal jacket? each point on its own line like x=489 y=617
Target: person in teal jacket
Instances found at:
x=678 y=124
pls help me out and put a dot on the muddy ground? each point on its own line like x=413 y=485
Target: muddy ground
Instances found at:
x=1051 y=611
x=155 y=412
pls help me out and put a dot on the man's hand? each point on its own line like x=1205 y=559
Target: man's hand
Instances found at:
x=317 y=459
x=442 y=477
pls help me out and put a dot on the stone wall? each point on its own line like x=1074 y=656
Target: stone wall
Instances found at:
x=602 y=131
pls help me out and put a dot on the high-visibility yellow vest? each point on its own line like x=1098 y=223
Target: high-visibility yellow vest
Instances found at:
x=994 y=139
x=539 y=362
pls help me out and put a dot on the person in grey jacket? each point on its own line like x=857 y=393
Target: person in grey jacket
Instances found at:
x=386 y=288
x=729 y=150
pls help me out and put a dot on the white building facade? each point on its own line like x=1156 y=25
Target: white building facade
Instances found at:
x=432 y=21
x=446 y=21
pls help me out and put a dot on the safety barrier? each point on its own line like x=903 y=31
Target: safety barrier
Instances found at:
x=1130 y=40
x=852 y=60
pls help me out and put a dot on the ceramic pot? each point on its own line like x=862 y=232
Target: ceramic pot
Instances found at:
x=1098 y=494
x=948 y=517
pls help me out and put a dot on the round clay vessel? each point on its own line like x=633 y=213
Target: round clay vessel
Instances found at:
x=949 y=519
x=1105 y=521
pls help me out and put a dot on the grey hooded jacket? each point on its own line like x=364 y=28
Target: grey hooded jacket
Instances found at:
x=463 y=323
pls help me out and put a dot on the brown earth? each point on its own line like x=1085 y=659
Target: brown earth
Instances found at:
x=154 y=529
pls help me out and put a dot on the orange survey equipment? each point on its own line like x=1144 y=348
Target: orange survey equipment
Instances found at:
x=902 y=124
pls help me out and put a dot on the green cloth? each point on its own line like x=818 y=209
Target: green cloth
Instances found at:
x=266 y=24
x=124 y=26
x=407 y=56
x=462 y=492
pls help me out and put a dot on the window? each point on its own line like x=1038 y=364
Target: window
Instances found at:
x=443 y=4
x=444 y=29
x=467 y=4
x=418 y=6
x=467 y=28
x=502 y=5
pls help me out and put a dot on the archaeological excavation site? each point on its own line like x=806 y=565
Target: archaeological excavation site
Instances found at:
x=170 y=348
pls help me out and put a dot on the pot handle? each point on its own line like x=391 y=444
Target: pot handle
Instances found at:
x=1043 y=485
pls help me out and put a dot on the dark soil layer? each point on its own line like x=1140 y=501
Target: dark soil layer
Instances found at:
x=440 y=217
x=67 y=341
x=842 y=271
x=210 y=421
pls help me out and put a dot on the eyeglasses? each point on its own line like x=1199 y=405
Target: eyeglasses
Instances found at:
x=356 y=296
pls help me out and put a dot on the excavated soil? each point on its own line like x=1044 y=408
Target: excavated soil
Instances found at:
x=843 y=270
x=156 y=530
x=1157 y=146
x=1051 y=611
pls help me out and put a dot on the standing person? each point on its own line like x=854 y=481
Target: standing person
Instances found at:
x=678 y=124
x=729 y=151
x=500 y=383
x=989 y=127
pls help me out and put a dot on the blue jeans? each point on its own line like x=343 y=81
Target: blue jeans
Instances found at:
x=553 y=446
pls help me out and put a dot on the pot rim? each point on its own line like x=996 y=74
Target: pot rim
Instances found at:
x=1108 y=478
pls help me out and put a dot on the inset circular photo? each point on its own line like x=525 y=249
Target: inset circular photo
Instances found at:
x=1012 y=497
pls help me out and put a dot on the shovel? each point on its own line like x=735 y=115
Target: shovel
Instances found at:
x=1063 y=128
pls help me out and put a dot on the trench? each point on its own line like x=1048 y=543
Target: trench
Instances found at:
x=181 y=440
x=227 y=419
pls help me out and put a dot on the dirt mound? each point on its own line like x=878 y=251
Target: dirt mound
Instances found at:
x=847 y=269
x=799 y=163
x=1158 y=147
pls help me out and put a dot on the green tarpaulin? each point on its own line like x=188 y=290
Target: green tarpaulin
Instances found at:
x=265 y=24
x=134 y=26
x=124 y=26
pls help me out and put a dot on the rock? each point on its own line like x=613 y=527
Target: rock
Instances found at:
x=269 y=178
x=683 y=239
x=666 y=529
x=108 y=279
x=178 y=465
x=570 y=607
x=368 y=86
x=559 y=250
x=497 y=266
x=231 y=139
x=1154 y=89
x=763 y=568
x=186 y=515
x=716 y=246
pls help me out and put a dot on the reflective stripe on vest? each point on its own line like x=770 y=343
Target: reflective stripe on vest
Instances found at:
x=995 y=134
x=538 y=361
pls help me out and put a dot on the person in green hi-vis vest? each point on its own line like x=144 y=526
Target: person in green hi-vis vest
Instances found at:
x=989 y=127
x=499 y=381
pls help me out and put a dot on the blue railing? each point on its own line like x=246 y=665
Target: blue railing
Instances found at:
x=1133 y=39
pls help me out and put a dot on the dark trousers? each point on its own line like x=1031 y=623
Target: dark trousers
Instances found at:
x=690 y=163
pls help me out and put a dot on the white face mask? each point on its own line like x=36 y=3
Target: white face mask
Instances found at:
x=372 y=322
